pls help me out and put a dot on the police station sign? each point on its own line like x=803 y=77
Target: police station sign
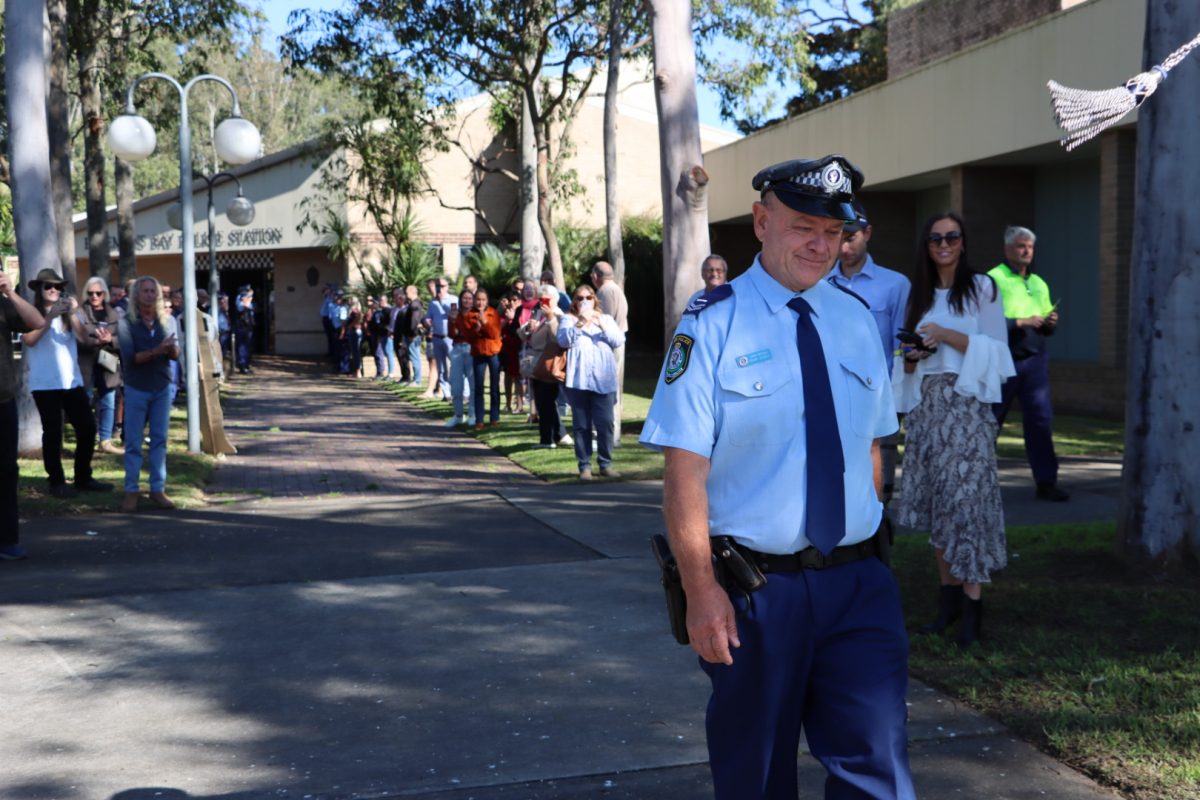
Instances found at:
x=172 y=241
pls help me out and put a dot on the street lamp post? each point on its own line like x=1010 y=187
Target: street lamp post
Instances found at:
x=237 y=141
x=240 y=212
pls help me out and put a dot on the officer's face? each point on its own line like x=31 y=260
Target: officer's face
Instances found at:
x=854 y=247
x=1019 y=254
x=797 y=249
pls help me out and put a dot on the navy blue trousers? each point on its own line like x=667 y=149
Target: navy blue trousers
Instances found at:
x=245 y=340
x=822 y=650
x=1031 y=386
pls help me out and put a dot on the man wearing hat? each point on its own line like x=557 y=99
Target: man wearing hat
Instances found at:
x=769 y=411
x=16 y=316
x=885 y=291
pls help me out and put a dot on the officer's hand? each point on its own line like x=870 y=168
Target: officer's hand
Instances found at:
x=712 y=624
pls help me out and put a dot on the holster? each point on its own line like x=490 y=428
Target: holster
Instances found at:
x=884 y=538
x=732 y=570
x=673 y=586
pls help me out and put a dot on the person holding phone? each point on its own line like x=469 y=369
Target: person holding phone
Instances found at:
x=1031 y=317
x=57 y=385
x=102 y=374
x=590 y=338
x=148 y=338
x=538 y=332
x=949 y=485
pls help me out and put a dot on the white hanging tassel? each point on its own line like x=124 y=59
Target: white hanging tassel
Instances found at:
x=1083 y=113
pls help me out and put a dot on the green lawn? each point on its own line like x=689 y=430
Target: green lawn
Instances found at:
x=1094 y=666
x=515 y=439
x=187 y=474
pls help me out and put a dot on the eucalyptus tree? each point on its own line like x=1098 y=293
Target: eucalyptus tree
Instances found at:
x=542 y=53
x=110 y=42
x=1159 y=518
x=25 y=59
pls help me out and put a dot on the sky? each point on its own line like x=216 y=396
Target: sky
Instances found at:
x=276 y=12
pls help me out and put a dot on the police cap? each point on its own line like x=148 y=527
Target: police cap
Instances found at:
x=860 y=218
x=823 y=187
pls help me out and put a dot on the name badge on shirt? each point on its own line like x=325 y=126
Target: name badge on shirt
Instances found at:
x=750 y=359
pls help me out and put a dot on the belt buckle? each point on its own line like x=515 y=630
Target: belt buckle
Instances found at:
x=812 y=558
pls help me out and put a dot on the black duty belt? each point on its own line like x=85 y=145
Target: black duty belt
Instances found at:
x=810 y=557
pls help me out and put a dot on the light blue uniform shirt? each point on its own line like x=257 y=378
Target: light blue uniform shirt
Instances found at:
x=739 y=402
x=886 y=292
x=326 y=305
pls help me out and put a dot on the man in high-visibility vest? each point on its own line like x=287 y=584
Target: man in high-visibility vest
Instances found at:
x=1031 y=316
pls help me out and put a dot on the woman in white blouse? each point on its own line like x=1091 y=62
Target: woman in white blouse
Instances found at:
x=949 y=484
x=589 y=337
x=57 y=385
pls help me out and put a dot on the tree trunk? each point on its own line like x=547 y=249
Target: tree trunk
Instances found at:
x=93 y=163
x=58 y=122
x=1159 y=520
x=545 y=219
x=126 y=235
x=532 y=250
x=616 y=249
x=684 y=181
x=29 y=147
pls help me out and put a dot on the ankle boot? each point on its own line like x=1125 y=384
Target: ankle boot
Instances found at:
x=950 y=605
x=972 y=622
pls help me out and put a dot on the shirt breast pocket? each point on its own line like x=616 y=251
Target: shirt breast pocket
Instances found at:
x=865 y=385
x=758 y=407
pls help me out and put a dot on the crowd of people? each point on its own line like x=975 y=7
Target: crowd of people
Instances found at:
x=534 y=351
x=108 y=364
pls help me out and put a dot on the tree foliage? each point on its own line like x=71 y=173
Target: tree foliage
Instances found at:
x=848 y=51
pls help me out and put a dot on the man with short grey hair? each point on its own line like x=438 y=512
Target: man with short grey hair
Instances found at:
x=1031 y=316
x=714 y=271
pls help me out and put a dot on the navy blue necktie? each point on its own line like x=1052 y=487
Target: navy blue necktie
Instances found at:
x=826 y=496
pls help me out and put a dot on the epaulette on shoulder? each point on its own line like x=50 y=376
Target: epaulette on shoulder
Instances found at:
x=837 y=285
x=708 y=299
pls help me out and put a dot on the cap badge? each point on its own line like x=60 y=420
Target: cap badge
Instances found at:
x=833 y=178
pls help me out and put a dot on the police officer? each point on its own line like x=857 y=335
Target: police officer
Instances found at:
x=768 y=410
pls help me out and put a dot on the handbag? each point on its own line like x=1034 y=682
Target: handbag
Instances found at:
x=552 y=365
x=108 y=360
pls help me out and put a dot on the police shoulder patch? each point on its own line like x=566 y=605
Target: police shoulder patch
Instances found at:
x=678 y=356
x=837 y=285
x=722 y=292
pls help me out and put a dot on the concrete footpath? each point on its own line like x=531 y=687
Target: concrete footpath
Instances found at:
x=377 y=607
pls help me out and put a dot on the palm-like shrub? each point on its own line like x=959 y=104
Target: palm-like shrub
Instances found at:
x=494 y=268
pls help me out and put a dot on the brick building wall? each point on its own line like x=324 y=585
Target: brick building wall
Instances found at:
x=932 y=29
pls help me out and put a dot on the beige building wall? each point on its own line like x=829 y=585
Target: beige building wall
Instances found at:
x=981 y=104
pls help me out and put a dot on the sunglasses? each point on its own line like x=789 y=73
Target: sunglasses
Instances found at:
x=953 y=237
x=95 y=294
x=58 y=287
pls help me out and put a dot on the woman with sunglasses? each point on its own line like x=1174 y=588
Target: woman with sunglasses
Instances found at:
x=101 y=373
x=589 y=337
x=947 y=384
x=57 y=385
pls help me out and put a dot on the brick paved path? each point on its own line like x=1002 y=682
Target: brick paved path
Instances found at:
x=301 y=431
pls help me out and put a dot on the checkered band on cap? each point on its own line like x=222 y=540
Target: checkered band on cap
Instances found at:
x=830 y=179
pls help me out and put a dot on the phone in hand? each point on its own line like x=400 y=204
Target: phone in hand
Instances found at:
x=914 y=340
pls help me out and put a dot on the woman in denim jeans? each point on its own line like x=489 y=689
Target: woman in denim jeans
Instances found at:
x=462 y=369
x=99 y=320
x=148 y=339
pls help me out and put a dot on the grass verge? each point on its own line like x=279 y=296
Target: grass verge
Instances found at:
x=1092 y=665
x=187 y=474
